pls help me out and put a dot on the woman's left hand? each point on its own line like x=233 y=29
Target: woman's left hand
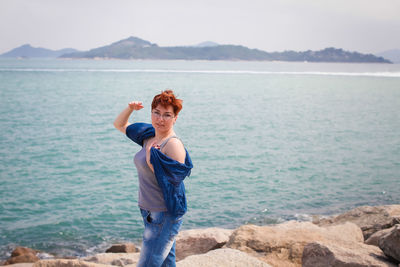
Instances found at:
x=153 y=144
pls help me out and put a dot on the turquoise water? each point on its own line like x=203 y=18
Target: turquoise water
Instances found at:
x=270 y=142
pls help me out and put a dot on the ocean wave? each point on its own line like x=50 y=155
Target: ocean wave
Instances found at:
x=318 y=73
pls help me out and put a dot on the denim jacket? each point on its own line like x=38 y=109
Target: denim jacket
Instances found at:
x=169 y=172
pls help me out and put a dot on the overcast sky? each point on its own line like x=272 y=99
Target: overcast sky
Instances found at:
x=367 y=26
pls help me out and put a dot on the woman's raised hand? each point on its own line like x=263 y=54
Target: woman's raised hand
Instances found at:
x=135 y=105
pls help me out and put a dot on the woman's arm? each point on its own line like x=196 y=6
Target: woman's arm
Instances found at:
x=149 y=145
x=121 y=122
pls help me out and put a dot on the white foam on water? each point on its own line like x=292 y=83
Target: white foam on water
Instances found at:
x=44 y=255
x=303 y=217
x=317 y=73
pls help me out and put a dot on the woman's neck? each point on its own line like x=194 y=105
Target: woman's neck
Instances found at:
x=162 y=135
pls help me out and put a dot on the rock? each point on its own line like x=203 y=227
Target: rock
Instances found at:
x=198 y=241
x=393 y=210
x=317 y=254
x=282 y=244
x=21 y=255
x=119 y=259
x=374 y=239
x=66 y=263
x=390 y=243
x=22 y=259
x=21 y=265
x=224 y=257
x=122 y=248
x=369 y=219
x=18 y=251
x=122 y=262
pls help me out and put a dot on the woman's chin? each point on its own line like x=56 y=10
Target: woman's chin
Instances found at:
x=160 y=127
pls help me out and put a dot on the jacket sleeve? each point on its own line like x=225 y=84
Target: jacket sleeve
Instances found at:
x=138 y=132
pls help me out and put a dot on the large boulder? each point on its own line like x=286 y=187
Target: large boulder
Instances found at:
x=18 y=251
x=122 y=248
x=283 y=244
x=224 y=257
x=22 y=255
x=22 y=259
x=374 y=238
x=317 y=254
x=117 y=259
x=390 y=243
x=369 y=219
x=199 y=241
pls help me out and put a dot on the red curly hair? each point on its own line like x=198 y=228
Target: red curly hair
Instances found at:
x=165 y=99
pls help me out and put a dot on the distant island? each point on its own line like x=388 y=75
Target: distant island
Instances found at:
x=27 y=51
x=136 y=48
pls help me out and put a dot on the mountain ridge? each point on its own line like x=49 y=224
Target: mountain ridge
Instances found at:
x=28 y=51
x=136 y=48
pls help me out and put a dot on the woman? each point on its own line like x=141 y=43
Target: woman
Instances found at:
x=162 y=165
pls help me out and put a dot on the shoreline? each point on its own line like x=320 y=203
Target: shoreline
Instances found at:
x=359 y=226
x=101 y=247
x=197 y=60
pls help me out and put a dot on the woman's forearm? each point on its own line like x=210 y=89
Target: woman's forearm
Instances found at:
x=121 y=122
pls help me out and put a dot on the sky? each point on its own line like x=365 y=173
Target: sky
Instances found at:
x=366 y=26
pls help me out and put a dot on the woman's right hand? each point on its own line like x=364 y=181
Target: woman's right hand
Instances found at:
x=135 y=105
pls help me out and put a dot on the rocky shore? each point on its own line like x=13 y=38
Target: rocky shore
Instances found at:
x=364 y=236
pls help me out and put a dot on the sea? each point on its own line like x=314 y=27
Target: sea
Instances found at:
x=270 y=142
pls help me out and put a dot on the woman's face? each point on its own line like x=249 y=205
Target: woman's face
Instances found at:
x=163 y=118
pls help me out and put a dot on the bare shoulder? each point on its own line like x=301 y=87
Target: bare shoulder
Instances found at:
x=175 y=150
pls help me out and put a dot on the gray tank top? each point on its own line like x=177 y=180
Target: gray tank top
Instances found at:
x=150 y=195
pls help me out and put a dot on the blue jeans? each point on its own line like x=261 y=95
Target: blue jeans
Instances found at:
x=158 y=246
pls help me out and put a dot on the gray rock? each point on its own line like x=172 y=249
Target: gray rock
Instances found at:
x=317 y=254
x=199 y=241
x=122 y=262
x=374 y=239
x=369 y=219
x=66 y=263
x=223 y=257
x=22 y=255
x=122 y=248
x=283 y=244
x=18 y=251
x=119 y=259
x=21 y=265
x=390 y=243
x=22 y=259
